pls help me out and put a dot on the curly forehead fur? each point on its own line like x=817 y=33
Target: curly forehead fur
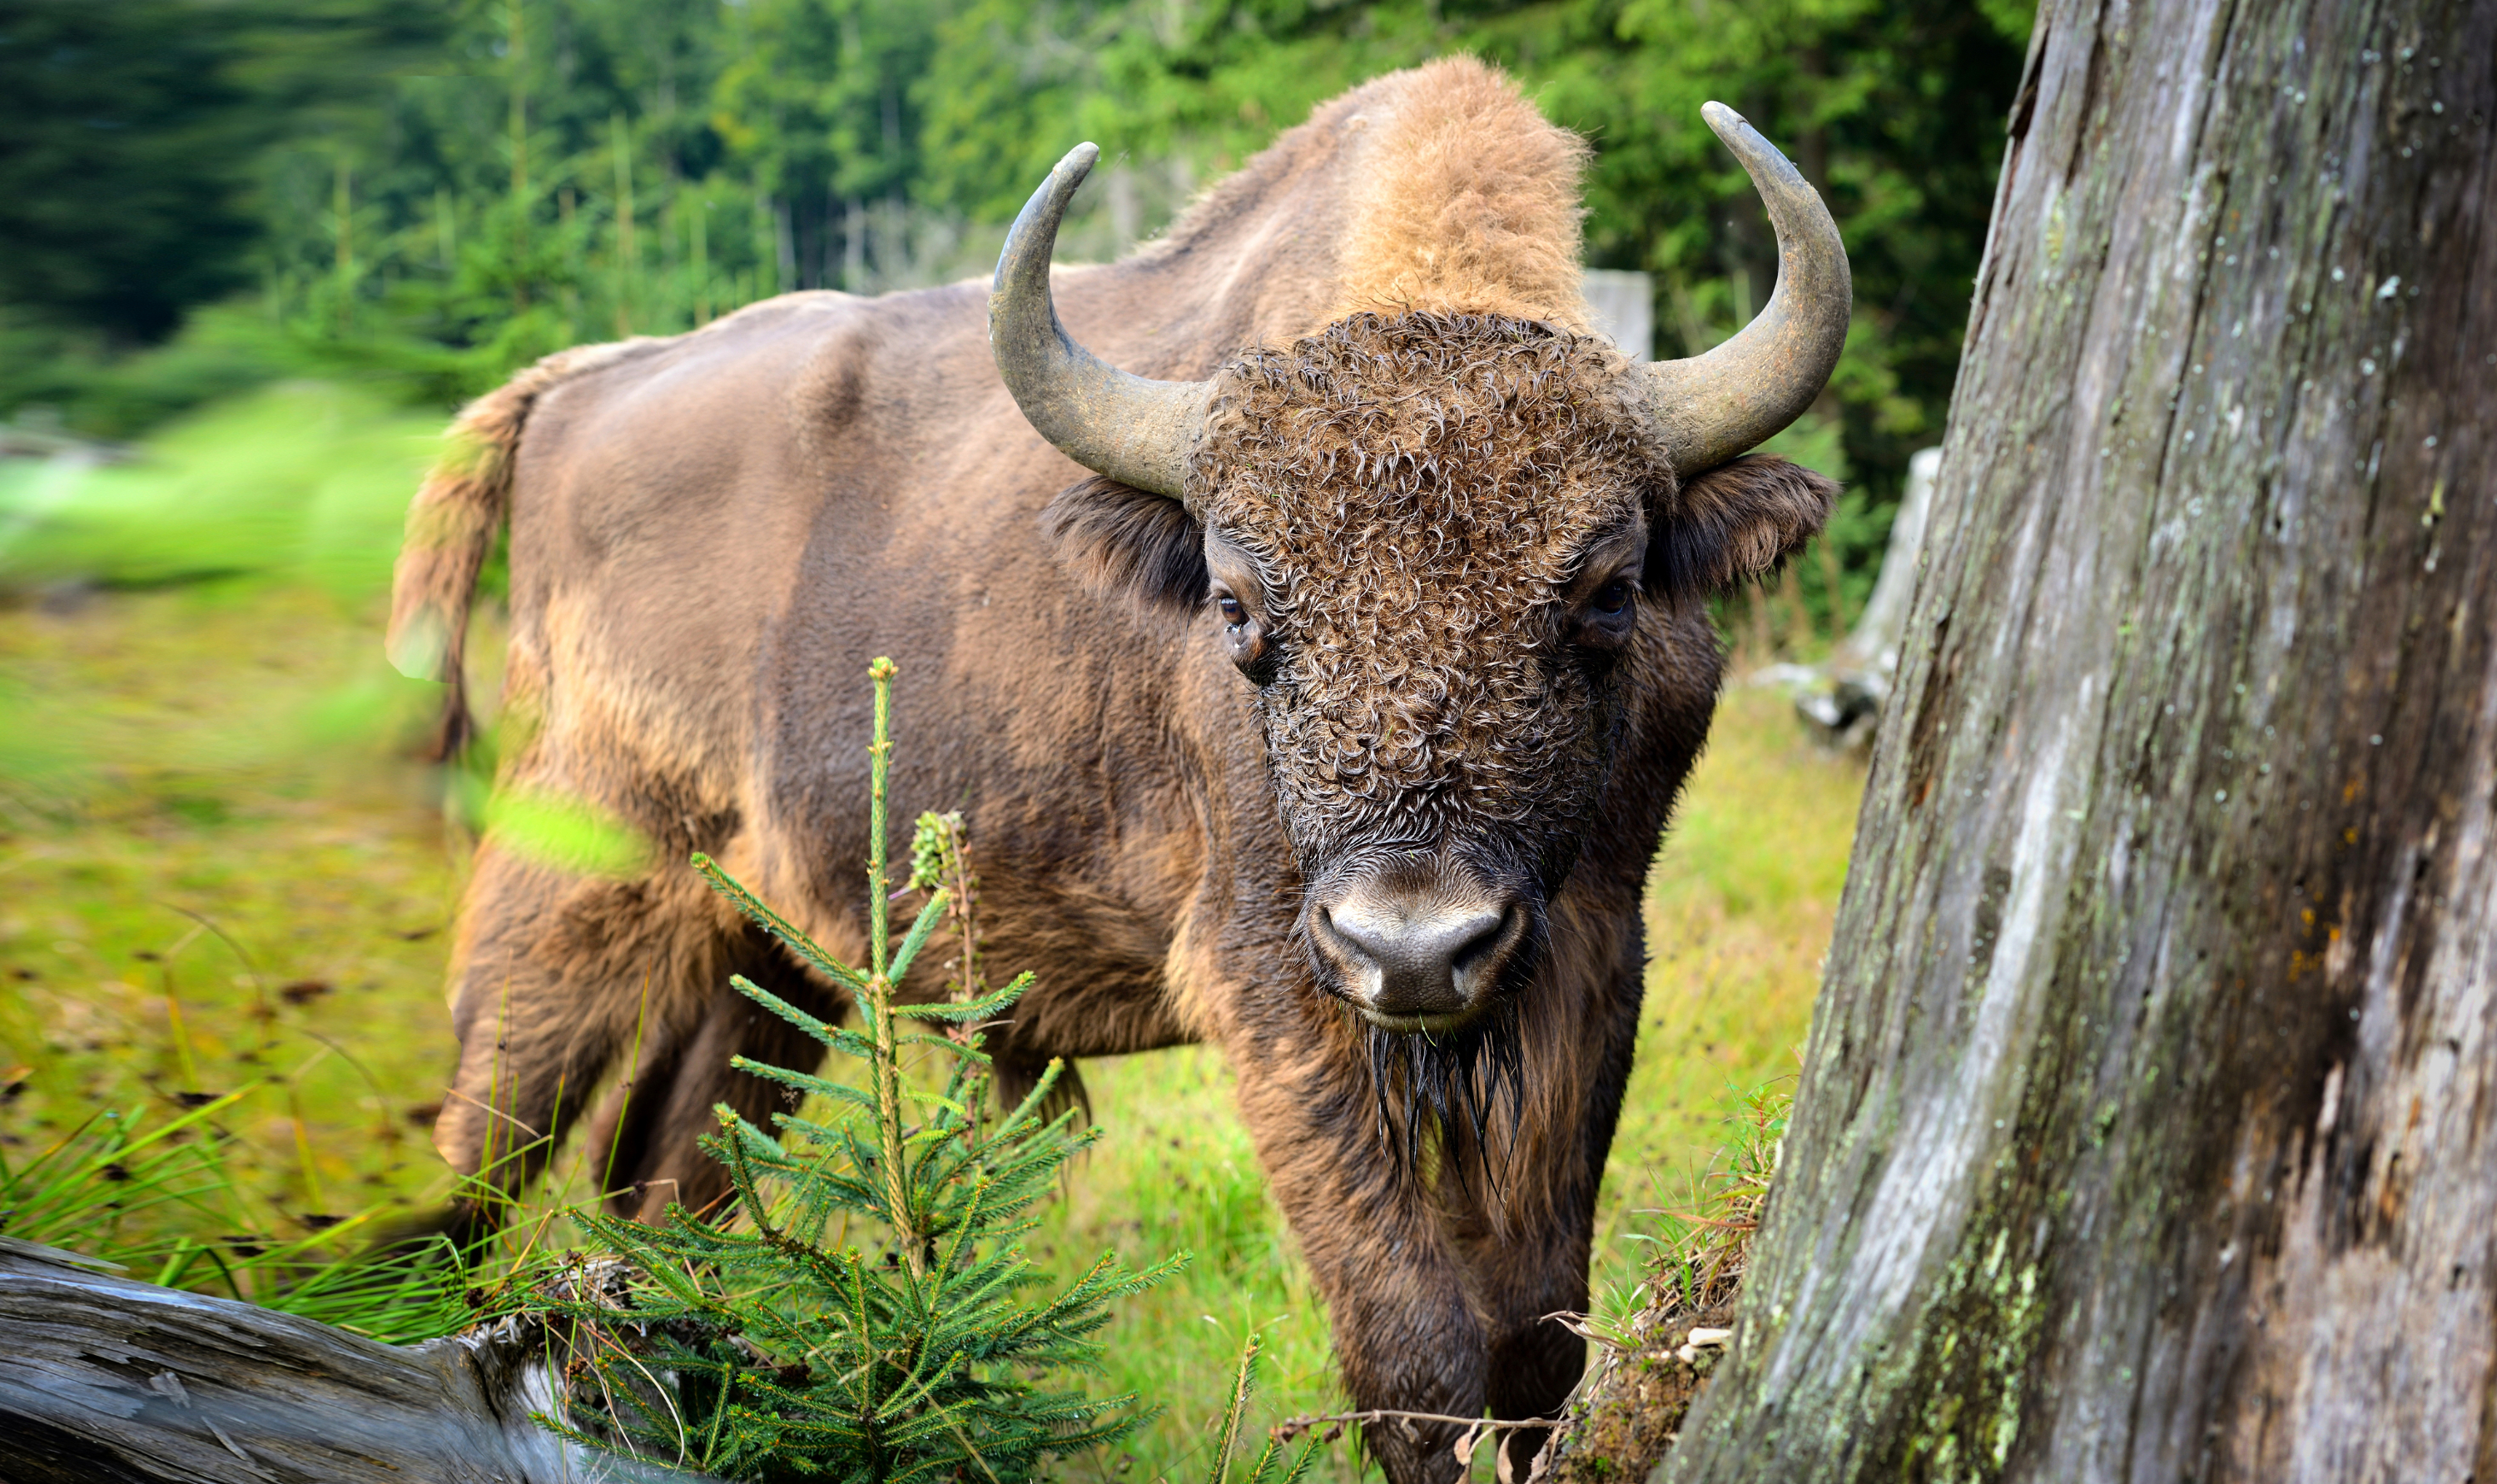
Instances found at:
x=1416 y=492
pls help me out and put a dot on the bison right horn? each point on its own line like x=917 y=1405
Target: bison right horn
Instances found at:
x=1712 y=407
x=1135 y=430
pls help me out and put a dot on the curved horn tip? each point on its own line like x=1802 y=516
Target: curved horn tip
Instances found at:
x=1750 y=146
x=1714 y=407
x=1136 y=430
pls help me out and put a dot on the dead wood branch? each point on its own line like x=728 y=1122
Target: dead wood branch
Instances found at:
x=104 y=1379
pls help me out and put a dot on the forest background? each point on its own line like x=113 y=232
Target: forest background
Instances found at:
x=253 y=252
x=429 y=194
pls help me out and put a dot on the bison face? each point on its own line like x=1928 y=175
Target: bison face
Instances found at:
x=1436 y=732
x=1424 y=544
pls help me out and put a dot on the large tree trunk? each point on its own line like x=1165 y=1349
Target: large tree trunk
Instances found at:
x=2149 y=1127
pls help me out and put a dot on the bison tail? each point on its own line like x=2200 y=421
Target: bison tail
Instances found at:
x=451 y=528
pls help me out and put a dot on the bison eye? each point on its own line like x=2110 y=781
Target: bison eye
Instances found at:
x=1244 y=638
x=1603 y=622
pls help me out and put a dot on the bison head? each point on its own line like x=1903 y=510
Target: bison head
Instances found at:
x=1427 y=538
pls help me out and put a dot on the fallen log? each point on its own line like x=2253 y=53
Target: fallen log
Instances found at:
x=108 y=1380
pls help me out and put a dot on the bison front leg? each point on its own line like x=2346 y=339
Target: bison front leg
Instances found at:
x=1525 y=1231
x=1524 y=1264
x=649 y=1136
x=1405 y=1337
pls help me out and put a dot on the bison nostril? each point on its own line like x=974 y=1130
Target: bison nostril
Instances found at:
x=1473 y=953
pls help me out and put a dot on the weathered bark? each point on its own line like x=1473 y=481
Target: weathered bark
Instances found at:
x=104 y=1380
x=2149 y=1126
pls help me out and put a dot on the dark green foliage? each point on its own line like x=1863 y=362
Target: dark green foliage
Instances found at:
x=134 y=132
x=865 y=1310
x=123 y=156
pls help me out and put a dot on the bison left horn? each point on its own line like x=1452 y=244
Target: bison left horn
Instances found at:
x=1712 y=407
x=1135 y=430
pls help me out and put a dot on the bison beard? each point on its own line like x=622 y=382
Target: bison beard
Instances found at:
x=1444 y=1095
x=1418 y=468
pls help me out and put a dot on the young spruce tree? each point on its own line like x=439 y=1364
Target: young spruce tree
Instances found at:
x=865 y=1312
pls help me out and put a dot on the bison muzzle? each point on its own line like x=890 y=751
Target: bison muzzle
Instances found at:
x=1314 y=660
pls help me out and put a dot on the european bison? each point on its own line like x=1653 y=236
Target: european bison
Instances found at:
x=1329 y=711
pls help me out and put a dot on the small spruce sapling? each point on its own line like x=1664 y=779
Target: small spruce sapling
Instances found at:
x=865 y=1312
x=1235 y=1420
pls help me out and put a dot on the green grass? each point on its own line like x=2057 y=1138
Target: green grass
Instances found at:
x=303 y=480
x=206 y=813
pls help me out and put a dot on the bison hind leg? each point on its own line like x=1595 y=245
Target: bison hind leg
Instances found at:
x=647 y=1135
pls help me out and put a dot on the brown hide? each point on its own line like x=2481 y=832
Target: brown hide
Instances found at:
x=711 y=538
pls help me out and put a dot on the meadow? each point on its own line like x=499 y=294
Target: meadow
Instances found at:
x=222 y=872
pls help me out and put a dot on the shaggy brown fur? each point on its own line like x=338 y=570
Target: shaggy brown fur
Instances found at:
x=1417 y=492
x=711 y=535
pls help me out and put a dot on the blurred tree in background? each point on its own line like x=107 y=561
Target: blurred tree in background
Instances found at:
x=134 y=132
x=429 y=192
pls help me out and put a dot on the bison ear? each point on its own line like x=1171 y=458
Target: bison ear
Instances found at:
x=1736 y=522
x=1122 y=542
